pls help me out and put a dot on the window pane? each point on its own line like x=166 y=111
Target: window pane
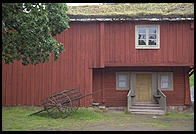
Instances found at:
x=122 y=84
x=164 y=85
x=141 y=30
x=152 y=42
x=147 y=36
x=152 y=36
x=122 y=77
x=152 y=30
x=164 y=81
x=141 y=42
x=141 y=36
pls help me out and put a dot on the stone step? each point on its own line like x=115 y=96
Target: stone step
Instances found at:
x=146 y=104
x=145 y=107
x=145 y=110
x=150 y=113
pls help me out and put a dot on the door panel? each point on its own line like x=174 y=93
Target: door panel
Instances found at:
x=143 y=87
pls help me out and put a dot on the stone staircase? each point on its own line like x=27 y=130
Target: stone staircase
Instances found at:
x=146 y=108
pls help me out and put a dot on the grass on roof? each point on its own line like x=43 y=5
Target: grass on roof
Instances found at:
x=133 y=10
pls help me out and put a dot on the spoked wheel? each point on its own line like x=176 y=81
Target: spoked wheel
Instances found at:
x=59 y=106
x=65 y=106
x=53 y=112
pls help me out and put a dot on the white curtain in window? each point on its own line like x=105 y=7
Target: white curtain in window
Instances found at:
x=122 y=80
x=164 y=81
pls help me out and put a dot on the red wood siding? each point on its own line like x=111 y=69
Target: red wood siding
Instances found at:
x=98 y=84
x=181 y=93
x=28 y=85
x=176 y=45
x=91 y=45
x=177 y=96
x=187 y=87
x=113 y=97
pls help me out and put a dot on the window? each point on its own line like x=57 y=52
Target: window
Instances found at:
x=147 y=36
x=122 y=81
x=165 y=80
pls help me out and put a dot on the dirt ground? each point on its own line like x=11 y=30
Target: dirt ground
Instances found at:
x=116 y=121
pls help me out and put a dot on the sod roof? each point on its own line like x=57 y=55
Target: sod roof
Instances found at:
x=133 y=11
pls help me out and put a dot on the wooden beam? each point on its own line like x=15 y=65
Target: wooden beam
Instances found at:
x=150 y=64
x=187 y=87
x=103 y=99
x=102 y=44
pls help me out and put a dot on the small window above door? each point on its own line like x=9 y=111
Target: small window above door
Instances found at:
x=147 y=36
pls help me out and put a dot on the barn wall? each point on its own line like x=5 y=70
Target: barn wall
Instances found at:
x=176 y=45
x=113 y=97
x=98 y=77
x=27 y=85
x=91 y=45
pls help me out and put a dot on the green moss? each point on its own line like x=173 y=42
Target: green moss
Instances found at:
x=134 y=10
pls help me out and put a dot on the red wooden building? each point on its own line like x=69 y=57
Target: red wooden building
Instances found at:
x=129 y=56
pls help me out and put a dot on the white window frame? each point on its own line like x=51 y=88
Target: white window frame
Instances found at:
x=170 y=81
x=117 y=81
x=157 y=46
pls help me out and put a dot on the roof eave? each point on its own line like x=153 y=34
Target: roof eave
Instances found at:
x=132 y=19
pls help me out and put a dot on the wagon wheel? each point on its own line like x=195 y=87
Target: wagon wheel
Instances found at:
x=52 y=107
x=59 y=106
x=53 y=112
x=65 y=106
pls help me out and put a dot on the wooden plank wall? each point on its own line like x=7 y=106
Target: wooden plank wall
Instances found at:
x=27 y=85
x=115 y=98
x=176 y=45
x=98 y=75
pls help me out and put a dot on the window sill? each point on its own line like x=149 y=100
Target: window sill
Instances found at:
x=122 y=89
x=147 y=47
x=167 y=90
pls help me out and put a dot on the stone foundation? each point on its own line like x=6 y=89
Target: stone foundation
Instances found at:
x=180 y=108
x=117 y=108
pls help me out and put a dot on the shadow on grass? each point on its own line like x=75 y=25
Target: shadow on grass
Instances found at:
x=42 y=114
x=56 y=115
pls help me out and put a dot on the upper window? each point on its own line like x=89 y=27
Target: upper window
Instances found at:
x=147 y=36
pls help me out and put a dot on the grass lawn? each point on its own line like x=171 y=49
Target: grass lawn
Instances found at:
x=191 y=80
x=17 y=119
x=178 y=116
